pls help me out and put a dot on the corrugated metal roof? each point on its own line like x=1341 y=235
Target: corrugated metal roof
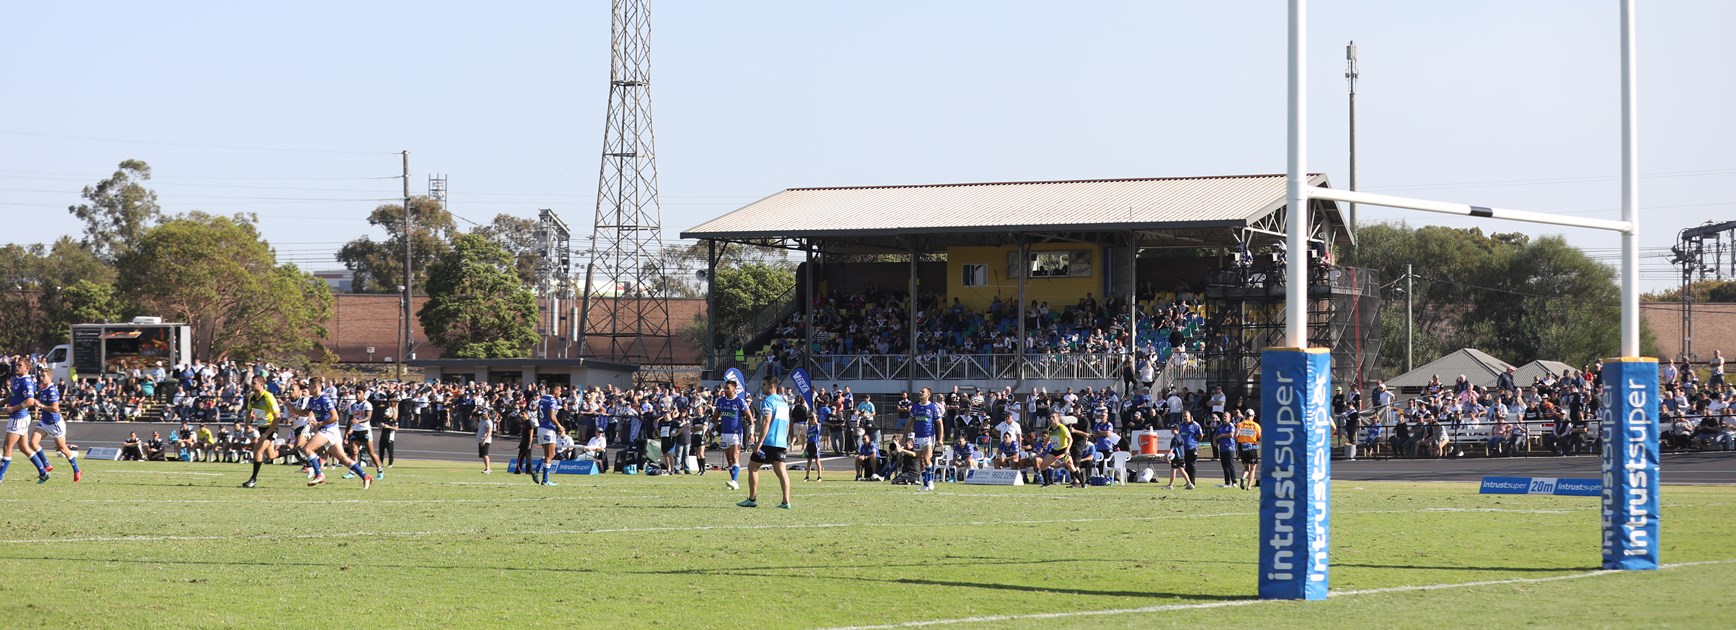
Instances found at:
x=1154 y=203
x=1535 y=369
x=1477 y=366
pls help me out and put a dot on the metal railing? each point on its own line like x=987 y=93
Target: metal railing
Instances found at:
x=964 y=367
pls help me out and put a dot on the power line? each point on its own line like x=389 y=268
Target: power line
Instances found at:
x=1552 y=180
x=190 y=145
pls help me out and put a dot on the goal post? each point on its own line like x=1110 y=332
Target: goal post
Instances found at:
x=1296 y=380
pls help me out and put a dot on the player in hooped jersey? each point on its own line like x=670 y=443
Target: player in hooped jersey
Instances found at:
x=548 y=431
x=361 y=434
x=326 y=432
x=730 y=411
x=18 y=407
x=50 y=424
x=927 y=423
x=773 y=438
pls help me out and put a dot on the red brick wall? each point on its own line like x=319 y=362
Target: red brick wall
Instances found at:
x=1714 y=327
x=363 y=320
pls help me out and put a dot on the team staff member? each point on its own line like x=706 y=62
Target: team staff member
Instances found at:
x=262 y=412
x=1189 y=433
x=484 y=437
x=388 y=446
x=1224 y=447
x=811 y=426
x=1248 y=447
x=773 y=440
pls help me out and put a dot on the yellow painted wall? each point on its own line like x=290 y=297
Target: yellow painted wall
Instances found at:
x=1058 y=292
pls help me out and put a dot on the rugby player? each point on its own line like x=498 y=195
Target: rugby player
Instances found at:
x=728 y=413
x=773 y=440
x=50 y=424
x=18 y=408
x=548 y=431
x=925 y=420
x=324 y=427
x=361 y=434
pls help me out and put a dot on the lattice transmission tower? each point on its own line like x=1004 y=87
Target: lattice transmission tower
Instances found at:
x=630 y=321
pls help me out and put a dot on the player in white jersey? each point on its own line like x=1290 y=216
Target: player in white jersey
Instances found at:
x=361 y=435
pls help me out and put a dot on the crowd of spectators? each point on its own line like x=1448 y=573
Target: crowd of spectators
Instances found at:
x=876 y=322
x=1555 y=413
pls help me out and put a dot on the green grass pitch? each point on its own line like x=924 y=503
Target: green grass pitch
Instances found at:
x=437 y=544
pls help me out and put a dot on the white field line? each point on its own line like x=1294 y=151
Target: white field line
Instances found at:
x=1250 y=602
x=620 y=530
x=164 y=472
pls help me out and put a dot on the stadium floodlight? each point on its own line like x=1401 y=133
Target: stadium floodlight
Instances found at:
x=1295 y=381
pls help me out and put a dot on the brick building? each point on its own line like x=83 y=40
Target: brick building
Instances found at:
x=1714 y=328
x=360 y=321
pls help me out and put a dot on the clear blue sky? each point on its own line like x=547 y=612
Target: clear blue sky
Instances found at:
x=1508 y=103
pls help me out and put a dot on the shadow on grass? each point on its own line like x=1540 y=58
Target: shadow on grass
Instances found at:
x=762 y=572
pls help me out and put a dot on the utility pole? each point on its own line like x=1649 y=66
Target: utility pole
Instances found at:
x=404 y=344
x=1350 y=75
x=1409 y=335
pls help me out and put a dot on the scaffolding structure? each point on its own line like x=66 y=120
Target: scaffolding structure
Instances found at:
x=1701 y=251
x=1245 y=309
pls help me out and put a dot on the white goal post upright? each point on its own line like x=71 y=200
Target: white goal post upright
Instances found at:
x=1295 y=380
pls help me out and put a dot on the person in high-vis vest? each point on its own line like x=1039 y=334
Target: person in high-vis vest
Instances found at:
x=1248 y=448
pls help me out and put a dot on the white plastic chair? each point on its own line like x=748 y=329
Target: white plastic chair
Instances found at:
x=1118 y=464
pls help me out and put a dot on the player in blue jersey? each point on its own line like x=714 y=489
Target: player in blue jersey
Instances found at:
x=50 y=424
x=729 y=414
x=18 y=406
x=773 y=438
x=928 y=425
x=323 y=424
x=548 y=432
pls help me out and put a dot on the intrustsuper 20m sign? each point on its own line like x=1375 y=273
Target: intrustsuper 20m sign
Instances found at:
x=1543 y=485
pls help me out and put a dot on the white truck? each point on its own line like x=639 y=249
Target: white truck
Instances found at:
x=100 y=349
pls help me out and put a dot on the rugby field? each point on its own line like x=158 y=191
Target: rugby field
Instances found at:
x=172 y=544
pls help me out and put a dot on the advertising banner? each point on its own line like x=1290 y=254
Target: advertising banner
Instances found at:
x=1629 y=427
x=1295 y=469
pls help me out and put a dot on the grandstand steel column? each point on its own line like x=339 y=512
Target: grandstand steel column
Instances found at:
x=628 y=232
x=808 y=308
x=1019 y=363
x=910 y=316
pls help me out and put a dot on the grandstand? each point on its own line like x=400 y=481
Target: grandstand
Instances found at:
x=1037 y=284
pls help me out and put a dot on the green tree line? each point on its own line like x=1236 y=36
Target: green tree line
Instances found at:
x=1516 y=297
